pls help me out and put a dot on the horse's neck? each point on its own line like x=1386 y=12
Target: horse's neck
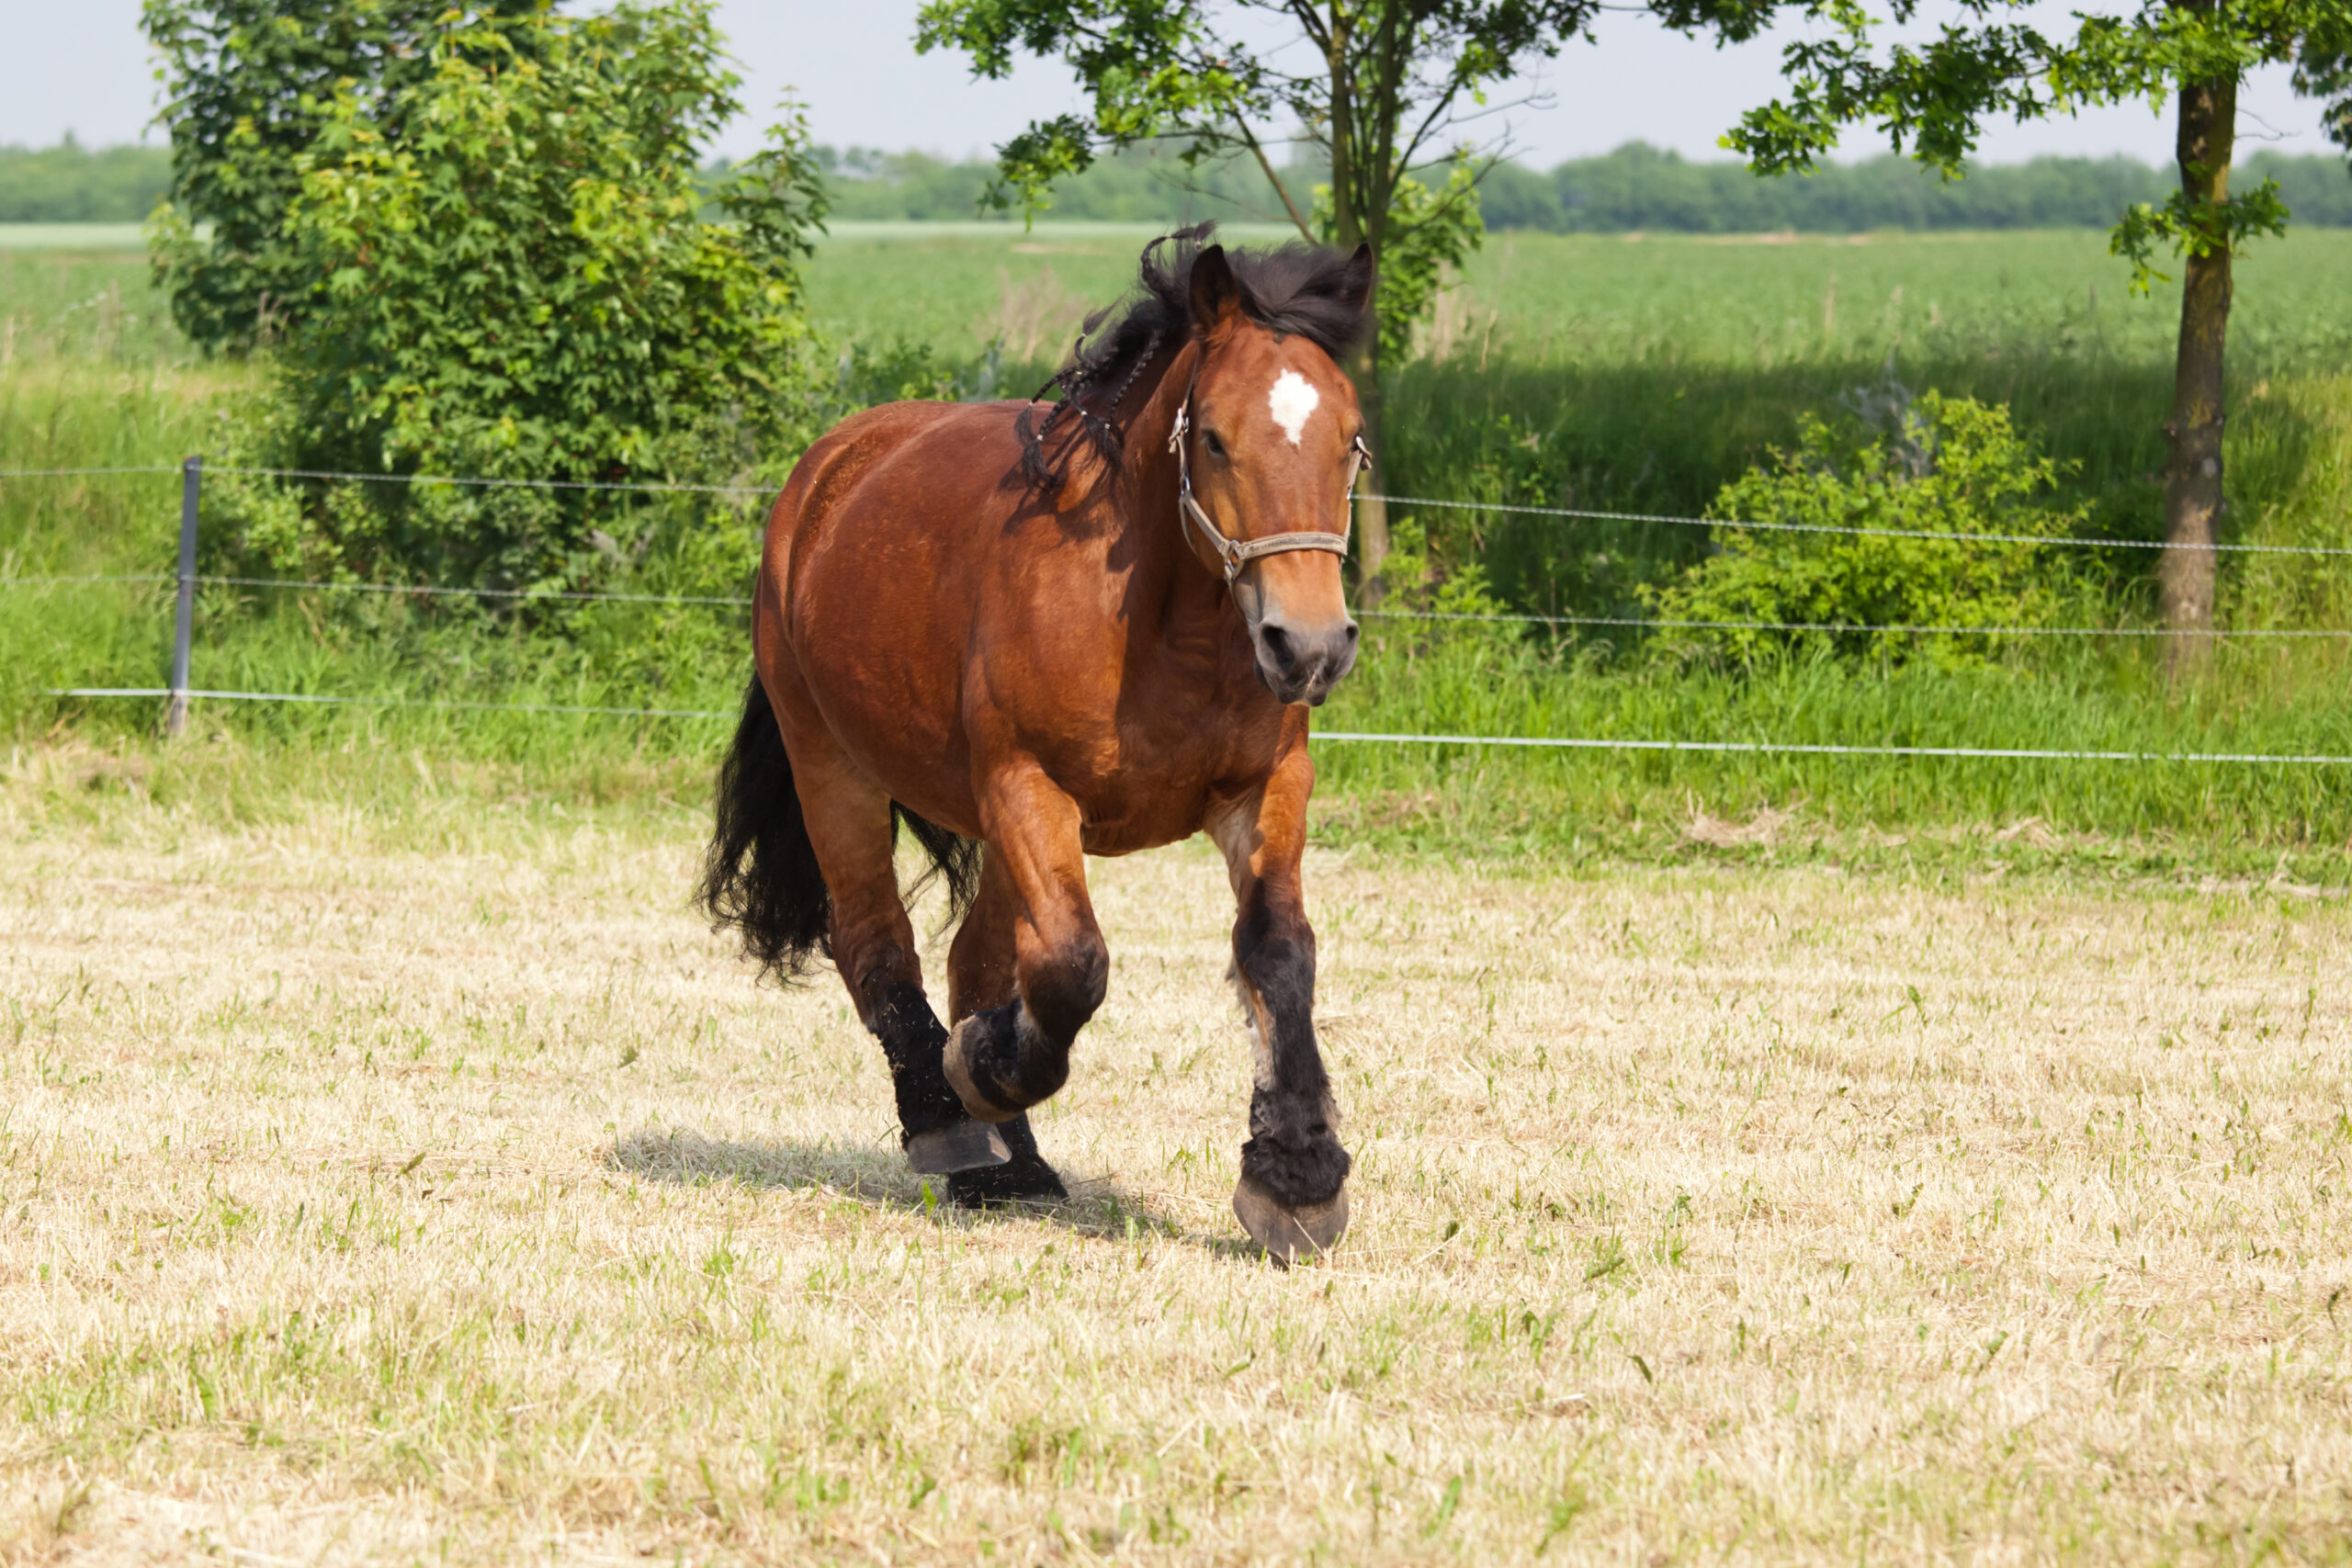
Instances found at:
x=1185 y=596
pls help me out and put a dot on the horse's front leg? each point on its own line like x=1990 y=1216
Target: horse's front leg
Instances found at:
x=1003 y=1059
x=1293 y=1195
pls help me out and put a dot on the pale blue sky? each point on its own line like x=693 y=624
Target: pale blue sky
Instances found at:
x=81 y=66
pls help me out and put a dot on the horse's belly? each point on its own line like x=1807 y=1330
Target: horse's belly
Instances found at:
x=1118 y=823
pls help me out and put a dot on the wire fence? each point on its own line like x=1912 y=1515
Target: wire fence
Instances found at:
x=1648 y=622
x=180 y=691
x=2060 y=541
x=2056 y=541
x=1546 y=742
x=325 y=700
x=1635 y=623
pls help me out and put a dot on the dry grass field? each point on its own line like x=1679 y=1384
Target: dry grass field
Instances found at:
x=373 y=1195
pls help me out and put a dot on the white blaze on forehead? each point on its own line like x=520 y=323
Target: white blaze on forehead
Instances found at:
x=1293 y=398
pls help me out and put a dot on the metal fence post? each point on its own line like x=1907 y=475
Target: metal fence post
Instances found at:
x=182 y=631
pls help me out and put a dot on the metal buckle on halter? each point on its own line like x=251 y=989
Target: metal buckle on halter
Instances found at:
x=1238 y=553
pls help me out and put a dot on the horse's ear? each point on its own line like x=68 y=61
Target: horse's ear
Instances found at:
x=1355 y=288
x=1216 y=293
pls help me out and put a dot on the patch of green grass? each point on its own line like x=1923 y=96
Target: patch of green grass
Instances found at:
x=85 y=304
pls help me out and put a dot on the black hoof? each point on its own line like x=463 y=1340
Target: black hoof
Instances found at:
x=1030 y=1180
x=959 y=1145
x=1024 y=1179
x=1000 y=1068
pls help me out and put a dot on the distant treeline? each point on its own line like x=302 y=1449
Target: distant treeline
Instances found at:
x=1636 y=186
x=74 y=184
x=1147 y=184
x=1640 y=187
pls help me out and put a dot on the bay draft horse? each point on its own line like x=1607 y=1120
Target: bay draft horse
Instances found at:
x=1034 y=638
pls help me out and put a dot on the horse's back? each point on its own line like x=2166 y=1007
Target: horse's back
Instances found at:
x=909 y=451
x=878 y=564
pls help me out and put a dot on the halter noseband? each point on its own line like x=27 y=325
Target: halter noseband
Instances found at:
x=1238 y=553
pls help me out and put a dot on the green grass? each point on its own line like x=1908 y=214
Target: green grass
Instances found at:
x=1607 y=373
x=89 y=306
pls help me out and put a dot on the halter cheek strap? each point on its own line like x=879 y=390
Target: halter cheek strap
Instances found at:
x=1238 y=553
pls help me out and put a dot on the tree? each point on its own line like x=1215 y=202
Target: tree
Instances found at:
x=523 y=284
x=1935 y=96
x=1384 y=88
x=248 y=84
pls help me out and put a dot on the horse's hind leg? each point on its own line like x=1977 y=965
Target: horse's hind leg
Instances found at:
x=982 y=975
x=874 y=947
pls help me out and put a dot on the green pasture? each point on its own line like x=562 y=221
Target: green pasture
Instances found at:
x=1611 y=373
x=1747 y=303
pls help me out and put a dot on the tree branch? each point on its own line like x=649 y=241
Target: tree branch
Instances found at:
x=1304 y=11
x=1420 y=133
x=1274 y=179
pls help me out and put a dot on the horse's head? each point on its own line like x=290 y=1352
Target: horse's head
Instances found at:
x=1270 y=441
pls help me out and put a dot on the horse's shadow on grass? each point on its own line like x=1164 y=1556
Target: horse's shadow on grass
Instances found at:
x=1095 y=1208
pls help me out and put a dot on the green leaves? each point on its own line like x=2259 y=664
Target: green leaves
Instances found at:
x=1938 y=466
x=1932 y=97
x=249 y=85
x=516 y=281
x=2194 y=228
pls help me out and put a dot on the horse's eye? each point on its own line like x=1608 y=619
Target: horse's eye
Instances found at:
x=1216 y=444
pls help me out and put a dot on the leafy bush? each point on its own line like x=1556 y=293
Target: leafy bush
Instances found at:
x=523 y=286
x=249 y=85
x=1941 y=465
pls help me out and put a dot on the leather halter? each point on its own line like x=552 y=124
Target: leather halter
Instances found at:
x=1238 y=553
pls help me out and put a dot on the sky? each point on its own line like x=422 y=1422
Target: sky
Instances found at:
x=81 y=66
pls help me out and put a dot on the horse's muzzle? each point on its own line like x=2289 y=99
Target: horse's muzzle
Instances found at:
x=1301 y=664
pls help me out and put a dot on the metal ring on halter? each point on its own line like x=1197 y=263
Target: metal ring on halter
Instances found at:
x=1238 y=553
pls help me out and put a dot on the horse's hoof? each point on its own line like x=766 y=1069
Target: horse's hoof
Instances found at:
x=962 y=1146
x=1286 y=1232
x=955 y=1058
x=1027 y=1179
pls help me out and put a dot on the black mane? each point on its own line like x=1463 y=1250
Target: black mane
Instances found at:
x=1311 y=291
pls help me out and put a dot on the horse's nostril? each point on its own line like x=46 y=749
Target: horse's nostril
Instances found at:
x=1349 y=636
x=1278 y=647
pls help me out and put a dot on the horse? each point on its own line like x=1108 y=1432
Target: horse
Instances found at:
x=1030 y=638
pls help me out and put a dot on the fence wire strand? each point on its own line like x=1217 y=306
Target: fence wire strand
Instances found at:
x=2064 y=541
x=322 y=700
x=77 y=581
x=1550 y=742
x=437 y=591
x=1580 y=514
x=646 y=487
x=81 y=473
x=2018 y=754
x=1833 y=625
x=1636 y=623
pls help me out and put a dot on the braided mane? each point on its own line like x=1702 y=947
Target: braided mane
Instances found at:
x=1316 y=292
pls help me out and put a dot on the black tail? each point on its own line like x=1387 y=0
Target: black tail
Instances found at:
x=761 y=875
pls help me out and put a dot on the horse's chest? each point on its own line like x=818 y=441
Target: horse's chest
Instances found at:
x=1154 y=784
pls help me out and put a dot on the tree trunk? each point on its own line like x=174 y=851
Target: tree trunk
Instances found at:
x=1371 y=506
x=2193 y=470
x=1351 y=226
